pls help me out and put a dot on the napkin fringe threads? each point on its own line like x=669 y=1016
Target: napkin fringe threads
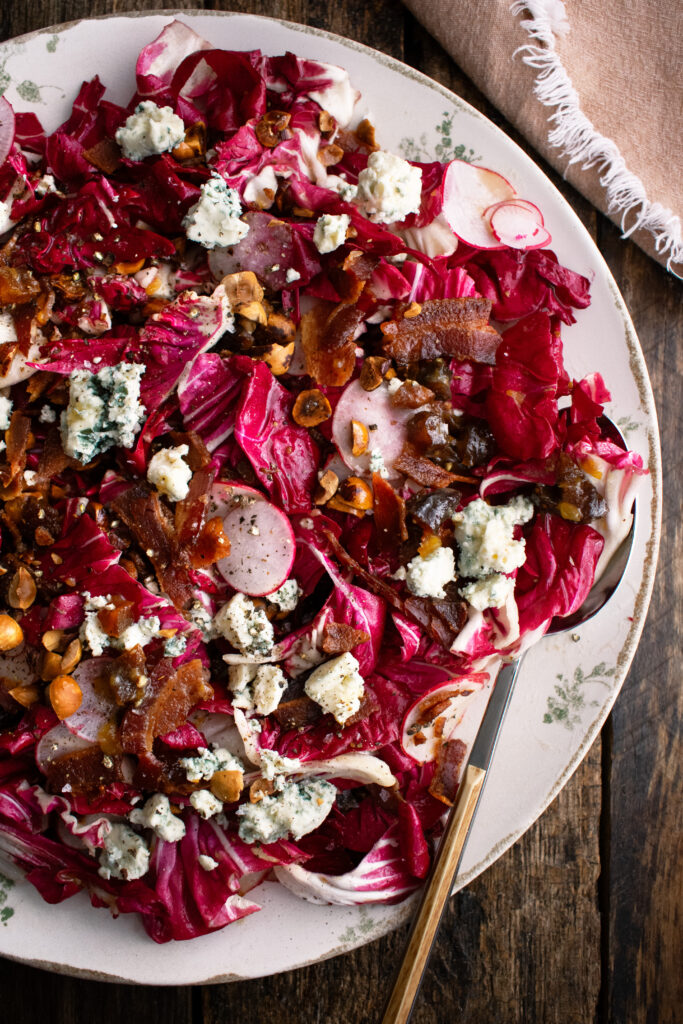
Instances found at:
x=578 y=137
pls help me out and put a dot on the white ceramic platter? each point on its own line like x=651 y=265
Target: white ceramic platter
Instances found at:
x=568 y=683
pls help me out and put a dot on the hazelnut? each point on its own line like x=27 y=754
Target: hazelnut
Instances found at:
x=11 y=633
x=65 y=696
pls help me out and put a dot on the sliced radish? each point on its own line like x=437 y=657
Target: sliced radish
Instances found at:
x=445 y=704
x=7 y=128
x=517 y=201
x=262 y=542
x=386 y=425
x=467 y=192
x=97 y=708
x=57 y=743
x=518 y=227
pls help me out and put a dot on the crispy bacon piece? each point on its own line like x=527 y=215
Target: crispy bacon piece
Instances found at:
x=52 y=458
x=126 y=675
x=162 y=772
x=105 y=155
x=389 y=514
x=338 y=637
x=168 y=697
x=87 y=771
x=449 y=762
x=419 y=467
x=211 y=544
x=453 y=327
x=18 y=439
x=369 y=704
x=17 y=286
x=296 y=713
x=143 y=514
x=351 y=277
x=327 y=342
x=190 y=513
x=198 y=456
x=423 y=610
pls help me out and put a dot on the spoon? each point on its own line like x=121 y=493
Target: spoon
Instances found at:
x=449 y=854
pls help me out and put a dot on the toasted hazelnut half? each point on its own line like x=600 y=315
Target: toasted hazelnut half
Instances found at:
x=356 y=493
x=25 y=695
x=359 y=437
x=242 y=287
x=51 y=666
x=22 y=589
x=11 y=633
x=311 y=408
x=227 y=785
x=260 y=788
x=327 y=487
x=414 y=309
x=72 y=655
x=371 y=372
x=252 y=311
x=65 y=696
x=278 y=358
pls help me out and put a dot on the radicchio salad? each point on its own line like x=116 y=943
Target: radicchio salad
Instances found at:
x=291 y=463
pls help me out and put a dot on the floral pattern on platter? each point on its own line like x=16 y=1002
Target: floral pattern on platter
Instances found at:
x=568 y=699
x=6 y=912
x=445 y=149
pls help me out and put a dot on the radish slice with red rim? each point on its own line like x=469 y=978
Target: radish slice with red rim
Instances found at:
x=469 y=191
x=262 y=542
x=518 y=227
x=97 y=707
x=386 y=425
x=517 y=201
x=446 y=705
x=7 y=129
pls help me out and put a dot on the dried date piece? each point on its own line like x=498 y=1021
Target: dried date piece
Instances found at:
x=338 y=638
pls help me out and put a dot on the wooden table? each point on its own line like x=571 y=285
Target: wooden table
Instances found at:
x=579 y=921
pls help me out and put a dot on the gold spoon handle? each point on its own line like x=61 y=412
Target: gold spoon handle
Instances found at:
x=434 y=898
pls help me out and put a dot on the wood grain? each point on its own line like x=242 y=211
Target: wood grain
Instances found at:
x=580 y=921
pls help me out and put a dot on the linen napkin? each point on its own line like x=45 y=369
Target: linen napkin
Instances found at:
x=596 y=86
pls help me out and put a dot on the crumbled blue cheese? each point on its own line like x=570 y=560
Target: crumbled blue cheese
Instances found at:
x=257 y=688
x=344 y=189
x=169 y=472
x=175 y=646
x=287 y=596
x=214 y=220
x=141 y=632
x=274 y=766
x=292 y=275
x=104 y=410
x=492 y=591
x=201 y=617
x=205 y=803
x=125 y=854
x=207 y=863
x=269 y=685
x=337 y=686
x=297 y=809
x=330 y=231
x=377 y=463
x=484 y=534
x=157 y=815
x=150 y=130
x=91 y=632
x=5 y=412
x=207 y=762
x=427 y=577
x=245 y=625
x=389 y=188
x=47 y=414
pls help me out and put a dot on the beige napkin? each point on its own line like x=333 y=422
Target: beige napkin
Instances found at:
x=596 y=86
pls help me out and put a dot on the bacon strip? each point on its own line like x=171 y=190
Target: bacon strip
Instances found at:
x=338 y=638
x=452 y=327
x=449 y=762
x=419 y=467
x=327 y=342
x=170 y=694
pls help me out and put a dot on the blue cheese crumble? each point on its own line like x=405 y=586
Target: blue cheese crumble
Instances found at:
x=214 y=220
x=337 y=686
x=491 y=591
x=206 y=862
x=205 y=803
x=125 y=854
x=97 y=639
x=427 y=576
x=104 y=410
x=158 y=816
x=485 y=537
x=169 y=473
x=175 y=646
x=377 y=464
x=330 y=231
x=245 y=625
x=389 y=188
x=150 y=130
x=287 y=596
x=297 y=809
x=257 y=688
x=206 y=763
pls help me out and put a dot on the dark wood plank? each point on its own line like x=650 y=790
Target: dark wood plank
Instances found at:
x=645 y=868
